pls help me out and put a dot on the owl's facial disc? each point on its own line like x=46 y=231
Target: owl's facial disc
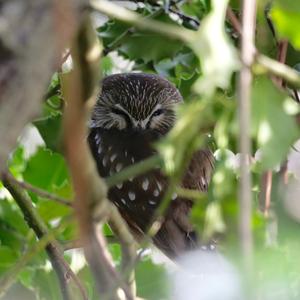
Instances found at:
x=124 y=120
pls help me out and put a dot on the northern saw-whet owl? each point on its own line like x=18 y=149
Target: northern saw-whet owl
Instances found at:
x=133 y=111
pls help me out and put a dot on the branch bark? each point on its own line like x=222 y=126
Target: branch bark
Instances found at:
x=40 y=192
x=80 y=92
x=114 y=11
x=244 y=95
x=30 y=49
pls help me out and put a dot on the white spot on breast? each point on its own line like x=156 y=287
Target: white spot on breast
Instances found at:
x=156 y=192
x=130 y=179
x=125 y=153
x=159 y=186
x=113 y=157
x=132 y=160
x=97 y=139
x=104 y=161
x=123 y=201
x=120 y=185
x=99 y=149
x=145 y=184
x=152 y=202
x=131 y=196
x=119 y=167
x=109 y=148
x=174 y=196
x=143 y=208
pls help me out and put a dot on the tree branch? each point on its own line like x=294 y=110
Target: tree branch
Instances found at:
x=40 y=192
x=90 y=189
x=115 y=11
x=271 y=66
x=134 y=170
x=53 y=249
x=244 y=98
x=34 y=49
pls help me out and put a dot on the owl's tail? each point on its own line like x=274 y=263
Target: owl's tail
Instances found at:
x=176 y=235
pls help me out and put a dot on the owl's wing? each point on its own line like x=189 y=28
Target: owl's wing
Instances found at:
x=176 y=234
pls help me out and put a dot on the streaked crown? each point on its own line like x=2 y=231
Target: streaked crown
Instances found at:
x=136 y=101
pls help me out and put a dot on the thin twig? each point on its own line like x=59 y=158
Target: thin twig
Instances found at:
x=128 y=246
x=234 y=21
x=244 y=95
x=77 y=244
x=194 y=195
x=40 y=192
x=114 y=11
x=134 y=170
x=119 y=39
x=265 y=192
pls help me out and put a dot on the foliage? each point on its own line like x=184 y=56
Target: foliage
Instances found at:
x=205 y=74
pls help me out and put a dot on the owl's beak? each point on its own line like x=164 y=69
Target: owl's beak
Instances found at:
x=139 y=125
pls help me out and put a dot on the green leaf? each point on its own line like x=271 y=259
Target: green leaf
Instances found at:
x=152 y=281
x=50 y=210
x=274 y=129
x=8 y=257
x=46 y=170
x=286 y=17
x=140 y=45
x=50 y=130
x=17 y=162
x=217 y=55
x=10 y=215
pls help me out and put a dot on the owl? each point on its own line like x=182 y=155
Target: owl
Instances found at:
x=134 y=111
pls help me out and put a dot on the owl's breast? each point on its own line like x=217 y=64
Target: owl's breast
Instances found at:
x=137 y=198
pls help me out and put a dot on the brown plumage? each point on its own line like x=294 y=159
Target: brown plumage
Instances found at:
x=132 y=112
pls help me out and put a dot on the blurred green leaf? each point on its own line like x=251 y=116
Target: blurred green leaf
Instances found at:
x=286 y=17
x=217 y=55
x=274 y=128
x=50 y=129
x=47 y=170
x=152 y=281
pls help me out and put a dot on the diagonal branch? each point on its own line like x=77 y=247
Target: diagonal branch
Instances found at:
x=114 y=11
x=53 y=249
x=40 y=192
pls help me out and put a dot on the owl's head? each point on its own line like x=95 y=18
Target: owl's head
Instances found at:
x=135 y=101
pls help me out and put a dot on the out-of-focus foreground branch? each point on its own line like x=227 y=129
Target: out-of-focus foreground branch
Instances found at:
x=244 y=91
x=30 y=47
x=80 y=91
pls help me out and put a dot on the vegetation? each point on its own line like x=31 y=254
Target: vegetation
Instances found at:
x=237 y=69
